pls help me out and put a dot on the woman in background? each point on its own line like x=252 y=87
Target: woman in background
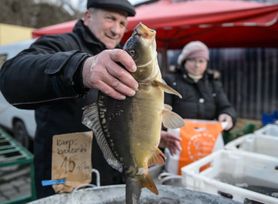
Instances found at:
x=202 y=94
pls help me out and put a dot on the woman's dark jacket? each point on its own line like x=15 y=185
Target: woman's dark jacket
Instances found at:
x=47 y=77
x=202 y=100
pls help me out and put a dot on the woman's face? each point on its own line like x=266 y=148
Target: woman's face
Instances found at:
x=196 y=66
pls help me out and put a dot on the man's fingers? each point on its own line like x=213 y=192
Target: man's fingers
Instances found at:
x=118 y=86
x=123 y=58
x=110 y=91
x=104 y=73
x=178 y=146
x=172 y=142
x=120 y=73
x=174 y=138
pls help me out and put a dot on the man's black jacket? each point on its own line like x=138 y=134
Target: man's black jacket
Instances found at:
x=47 y=77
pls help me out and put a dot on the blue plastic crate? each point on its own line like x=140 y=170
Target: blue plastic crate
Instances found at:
x=269 y=118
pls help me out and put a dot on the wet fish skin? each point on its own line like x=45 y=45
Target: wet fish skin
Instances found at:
x=128 y=131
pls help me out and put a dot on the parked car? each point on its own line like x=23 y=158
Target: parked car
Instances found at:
x=20 y=122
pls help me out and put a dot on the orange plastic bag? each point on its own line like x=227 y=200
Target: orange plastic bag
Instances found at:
x=198 y=139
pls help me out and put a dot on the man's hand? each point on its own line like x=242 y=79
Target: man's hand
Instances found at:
x=170 y=141
x=226 y=119
x=103 y=72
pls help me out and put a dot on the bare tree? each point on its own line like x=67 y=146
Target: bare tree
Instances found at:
x=36 y=13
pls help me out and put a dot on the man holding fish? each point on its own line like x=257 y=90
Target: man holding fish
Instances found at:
x=60 y=74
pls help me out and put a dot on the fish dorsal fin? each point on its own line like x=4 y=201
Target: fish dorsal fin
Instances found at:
x=171 y=119
x=157 y=158
x=91 y=120
x=166 y=88
x=147 y=182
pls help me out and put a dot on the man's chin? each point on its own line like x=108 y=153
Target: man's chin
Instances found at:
x=111 y=45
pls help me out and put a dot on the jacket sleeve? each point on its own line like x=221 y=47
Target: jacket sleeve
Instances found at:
x=49 y=70
x=222 y=103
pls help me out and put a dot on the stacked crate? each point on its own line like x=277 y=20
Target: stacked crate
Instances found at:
x=245 y=171
x=16 y=172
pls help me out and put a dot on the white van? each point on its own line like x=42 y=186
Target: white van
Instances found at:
x=20 y=122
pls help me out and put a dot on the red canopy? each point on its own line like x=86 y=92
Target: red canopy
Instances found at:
x=54 y=29
x=218 y=23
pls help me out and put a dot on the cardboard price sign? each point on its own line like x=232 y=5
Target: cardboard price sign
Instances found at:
x=71 y=160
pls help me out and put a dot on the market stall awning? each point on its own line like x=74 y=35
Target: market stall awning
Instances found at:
x=54 y=29
x=218 y=23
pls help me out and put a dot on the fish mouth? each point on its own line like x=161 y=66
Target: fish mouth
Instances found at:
x=145 y=32
x=141 y=35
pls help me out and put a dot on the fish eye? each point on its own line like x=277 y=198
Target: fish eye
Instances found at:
x=132 y=53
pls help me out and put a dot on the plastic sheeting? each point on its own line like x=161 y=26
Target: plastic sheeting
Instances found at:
x=218 y=23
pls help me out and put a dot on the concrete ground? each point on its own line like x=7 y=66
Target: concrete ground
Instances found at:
x=15 y=183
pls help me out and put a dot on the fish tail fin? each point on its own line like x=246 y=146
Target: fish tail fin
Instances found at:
x=147 y=182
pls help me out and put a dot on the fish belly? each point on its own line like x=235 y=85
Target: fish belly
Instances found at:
x=147 y=108
x=132 y=127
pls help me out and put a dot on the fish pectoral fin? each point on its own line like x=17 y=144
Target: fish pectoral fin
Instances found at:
x=171 y=119
x=147 y=182
x=166 y=88
x=157 y=158
x=168 y=107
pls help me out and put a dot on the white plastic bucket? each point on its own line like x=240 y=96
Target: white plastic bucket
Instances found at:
x=116 y=195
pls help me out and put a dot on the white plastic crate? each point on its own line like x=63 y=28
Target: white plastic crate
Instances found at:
x=255 y=143
x=228 y=170
x=270 y=130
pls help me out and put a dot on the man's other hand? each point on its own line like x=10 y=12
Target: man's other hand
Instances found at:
x=172 y=142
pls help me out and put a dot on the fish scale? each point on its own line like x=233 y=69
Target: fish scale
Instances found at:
x=116 y=113
x=128 y=131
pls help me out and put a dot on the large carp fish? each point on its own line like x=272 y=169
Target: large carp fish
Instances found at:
x=128 y=131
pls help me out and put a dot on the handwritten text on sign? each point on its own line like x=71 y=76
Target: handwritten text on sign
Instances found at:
x=71 y=158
